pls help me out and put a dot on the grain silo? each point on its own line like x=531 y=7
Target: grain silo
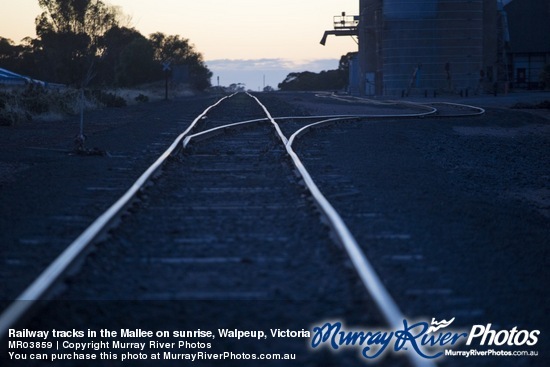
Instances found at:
x=428 y=46
x=418 y=47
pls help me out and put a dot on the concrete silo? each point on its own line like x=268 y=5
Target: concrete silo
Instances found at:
x=426 y=46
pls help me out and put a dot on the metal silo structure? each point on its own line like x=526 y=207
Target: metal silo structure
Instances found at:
x=423 y=46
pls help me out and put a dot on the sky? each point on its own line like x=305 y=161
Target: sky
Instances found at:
x=242 y=41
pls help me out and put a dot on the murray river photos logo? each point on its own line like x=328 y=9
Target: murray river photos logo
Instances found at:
x=429 y=341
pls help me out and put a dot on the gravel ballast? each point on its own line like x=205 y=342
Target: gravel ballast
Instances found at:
x=453 y=213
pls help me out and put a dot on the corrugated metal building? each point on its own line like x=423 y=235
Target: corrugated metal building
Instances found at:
x=427 y=46
x=529 y=52
x=10 y=78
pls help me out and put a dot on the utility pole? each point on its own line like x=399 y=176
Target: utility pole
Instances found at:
x=166 y=68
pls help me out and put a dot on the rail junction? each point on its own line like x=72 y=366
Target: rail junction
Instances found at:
x=229 y=213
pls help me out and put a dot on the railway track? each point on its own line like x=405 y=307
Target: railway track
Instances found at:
x=230 y=220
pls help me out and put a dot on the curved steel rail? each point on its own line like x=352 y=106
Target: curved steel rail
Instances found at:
x=479 y=111
x=48 y=278
x=326 y=119
x=387 y=306
x=352 y=99
x=275 y=124
x=217 y=130
x=366 y=272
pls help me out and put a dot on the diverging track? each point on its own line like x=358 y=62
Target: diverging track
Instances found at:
x=230 y=233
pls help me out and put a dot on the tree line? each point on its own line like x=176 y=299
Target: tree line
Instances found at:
x=336 y=79
x=86 y=42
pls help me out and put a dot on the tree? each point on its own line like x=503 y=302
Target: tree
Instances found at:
x=343 y=64
x=179 y=51
x=309 y=81
x=325 y=80
x=136 y=64
x=17 y=58
x=8 y=55
x=7 y=49
x=82 y=42
x=113 y=68
x=236 y=87
x=70 y=34
x=175 y=49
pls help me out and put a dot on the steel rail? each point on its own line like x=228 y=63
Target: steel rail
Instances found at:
x=275 y=124
x=372 y=282
x=351 y=99
x=326 y=119
x=480 y=111
x=387 y=306
x=432 y=111
x=217 y=130
x=48 y=278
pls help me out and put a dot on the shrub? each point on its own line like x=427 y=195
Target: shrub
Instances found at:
x=108 y=99
x=10 y=113
x=142 y=98
x=34 y=99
